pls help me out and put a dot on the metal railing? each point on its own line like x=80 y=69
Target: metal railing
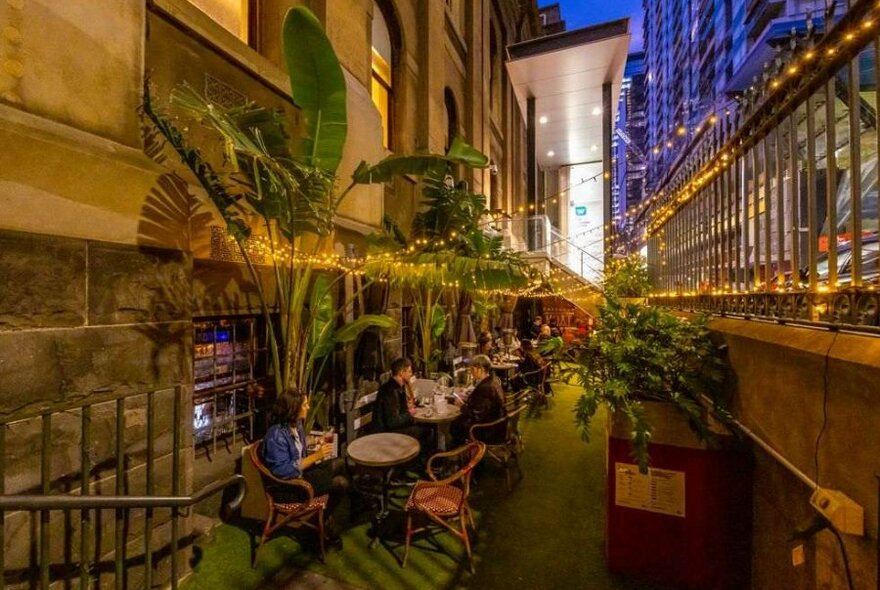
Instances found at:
x=118 y=435
x=764 y=218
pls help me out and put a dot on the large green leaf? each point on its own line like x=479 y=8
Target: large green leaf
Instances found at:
x=353 y=329
x=321 y=308
x=438 y=321
x=318 y=87
x=431 y=165
x=397 y=166
x=462 y=152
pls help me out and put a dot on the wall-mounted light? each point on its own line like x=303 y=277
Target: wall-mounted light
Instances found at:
x=543 y=119
x=551 y=153
x=597 y=111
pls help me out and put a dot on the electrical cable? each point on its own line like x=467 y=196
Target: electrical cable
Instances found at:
x=825 y=388
x=843 y=553
x=820 y=523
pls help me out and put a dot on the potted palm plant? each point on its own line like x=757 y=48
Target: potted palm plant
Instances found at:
x=277 y=194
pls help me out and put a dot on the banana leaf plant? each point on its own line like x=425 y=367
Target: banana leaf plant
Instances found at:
x=282 y=190
x=449 y=255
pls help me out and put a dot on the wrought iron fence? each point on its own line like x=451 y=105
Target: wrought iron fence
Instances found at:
x=775 y=214
x=57 y=521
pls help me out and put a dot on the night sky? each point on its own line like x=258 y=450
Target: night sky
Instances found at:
x=580 y=13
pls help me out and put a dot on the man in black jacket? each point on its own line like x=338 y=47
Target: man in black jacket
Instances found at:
x=484 y=404
x=393 y=410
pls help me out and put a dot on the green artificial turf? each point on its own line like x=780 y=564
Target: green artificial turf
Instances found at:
x=546 y=533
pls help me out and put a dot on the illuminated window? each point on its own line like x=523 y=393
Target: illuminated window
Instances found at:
x=382 y=85
x=232 y=15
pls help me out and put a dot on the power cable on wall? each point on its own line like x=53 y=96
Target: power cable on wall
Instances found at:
x=825 y=389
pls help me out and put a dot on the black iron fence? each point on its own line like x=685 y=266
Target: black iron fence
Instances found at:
x=774 y=212
x=90 y=491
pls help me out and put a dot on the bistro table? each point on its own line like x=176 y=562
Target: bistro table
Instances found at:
x=442 y=420
x=504 y=371
x=383 y=452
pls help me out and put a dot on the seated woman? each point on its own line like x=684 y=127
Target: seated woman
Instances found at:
x=285 y=454
x=487 y=345
x=484 y=404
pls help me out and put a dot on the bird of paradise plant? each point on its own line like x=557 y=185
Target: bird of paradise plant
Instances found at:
x=283 y=187
x=449 y=253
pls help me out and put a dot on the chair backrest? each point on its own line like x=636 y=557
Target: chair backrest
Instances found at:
x=513 y=420
x=359 y=418
x=302 y=488
x=475 y=451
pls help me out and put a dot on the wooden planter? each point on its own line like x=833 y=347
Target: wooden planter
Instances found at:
x=688 y=522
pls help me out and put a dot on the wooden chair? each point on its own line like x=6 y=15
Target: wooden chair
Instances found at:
x=505 y=453
x=309 y=511
x=444 y=501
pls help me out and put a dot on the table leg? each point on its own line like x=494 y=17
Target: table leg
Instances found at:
x=380 y=517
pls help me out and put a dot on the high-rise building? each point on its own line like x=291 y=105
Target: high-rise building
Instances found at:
x=701 y=53
x=551 y=19
x=630 y=141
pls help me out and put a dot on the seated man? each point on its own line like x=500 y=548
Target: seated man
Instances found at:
x=484 y=404
x=395 y=405
x=532 y=368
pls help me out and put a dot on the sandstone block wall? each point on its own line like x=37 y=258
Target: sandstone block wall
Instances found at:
x=813 y=396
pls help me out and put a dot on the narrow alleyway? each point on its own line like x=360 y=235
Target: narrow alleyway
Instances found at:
x=547 y=533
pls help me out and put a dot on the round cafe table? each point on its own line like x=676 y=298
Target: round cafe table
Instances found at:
x=505 y=371
x=441 y=420
x=383 y=452
x=385 y=449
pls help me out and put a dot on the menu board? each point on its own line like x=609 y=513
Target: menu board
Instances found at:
x=659 y=490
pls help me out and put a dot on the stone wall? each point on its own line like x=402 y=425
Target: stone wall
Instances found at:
x=85 y=322
x=813 y=396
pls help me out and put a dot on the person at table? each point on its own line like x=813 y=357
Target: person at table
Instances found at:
x=395 y=405
x=286 y=455
x=484 y=404
x=532 y=368
x=535 y=328
x=487 y=346
x=544 y=333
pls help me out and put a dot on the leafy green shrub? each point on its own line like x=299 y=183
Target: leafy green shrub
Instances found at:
x=640 y=353
x=627 y=277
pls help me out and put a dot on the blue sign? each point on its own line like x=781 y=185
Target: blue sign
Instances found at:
x=580 y=211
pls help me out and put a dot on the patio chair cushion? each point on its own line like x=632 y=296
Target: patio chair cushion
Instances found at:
x=441 y=500
x=290 y=507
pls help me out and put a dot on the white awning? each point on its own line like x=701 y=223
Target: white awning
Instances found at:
x=565 y=74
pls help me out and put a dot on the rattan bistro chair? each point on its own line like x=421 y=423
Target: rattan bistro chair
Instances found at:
x=505 y=453
x=308 y=511
x=444 y=501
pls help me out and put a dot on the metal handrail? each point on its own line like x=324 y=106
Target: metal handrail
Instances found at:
x=34 y=502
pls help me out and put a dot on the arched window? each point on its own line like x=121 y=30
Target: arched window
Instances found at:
x=450 y=114
x=382 y=88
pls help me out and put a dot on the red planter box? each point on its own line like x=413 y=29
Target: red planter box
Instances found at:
x=706 y=549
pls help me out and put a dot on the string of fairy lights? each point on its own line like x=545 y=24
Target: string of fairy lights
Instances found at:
x=833 y=44
x=555 y=282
